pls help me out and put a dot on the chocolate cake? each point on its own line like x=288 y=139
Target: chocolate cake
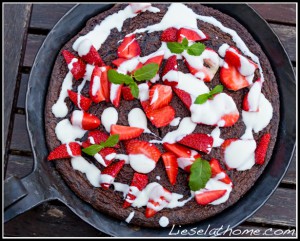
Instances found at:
x=190 y=207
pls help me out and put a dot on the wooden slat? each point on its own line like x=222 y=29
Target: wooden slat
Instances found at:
x=19 y=166
x=20 y=138
x=280 y=209
x=290 y=176
x=43 y=18
x=34 y=42
x=15 y=26
x=287 y=36
x=22 y=91
x=280 y=13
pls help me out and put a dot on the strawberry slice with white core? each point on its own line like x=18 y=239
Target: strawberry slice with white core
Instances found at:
x=183 y=96
x=220 y=111
x=199 y=141
x=89 y=54
x=84 y=102
x=208 y=196
x=159 y=198
x=84 y=120
x=109 y=173
x=126 y=132
x=191 y=35
x=65 y=151
x=115 y=94
x=160 y=96
x=205 y=66
x=139 y=7
x=75 y=65
x=234 y=158
x=251 y=99
x=138 y=183
x=99 y=86
x=129 y=47
x=172 y=78
x=143 y=156
x=171 y=166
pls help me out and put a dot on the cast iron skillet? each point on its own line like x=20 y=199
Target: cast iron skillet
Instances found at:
x=44 y=183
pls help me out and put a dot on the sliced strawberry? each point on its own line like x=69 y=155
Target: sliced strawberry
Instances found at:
x=160 y=117
x=251 y=99
x=198 y=141
x=65 y=151
x=230 y=119
x=246 y=106
x=143 y=147
x=129 y=47
x=105 y=84
x=160 y=96
x=99 y=85
x=171 y=166
x=126 y=132
x=84 y=120
x=159 y=199
x=105 y=154
x=171 y=64
x=156 y=60
x=184 y=97
x=92 y=57
x=190 y=35
x=139 y=7
x=115 y=94
x=232 y=79
x=139 y=182
x=96 y=137
x=85 y=102
x=109 y=173
x=261 y=149
x=169 y=35
x=126 y=93
x=232 y=57
x=75 y=65
x=119 y=61
x=206 y=197
x=216 y=169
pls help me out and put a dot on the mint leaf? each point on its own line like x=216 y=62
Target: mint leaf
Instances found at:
x=134 y=89
x=200 y=174
x=185 y=43
x=147 y=72
x=201 y=99
x=175 y=47
x=94 y=149
x=118 y=78
x=196 y=49
x=216 y=90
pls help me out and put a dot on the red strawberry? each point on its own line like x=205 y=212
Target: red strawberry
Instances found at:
x=129 y=47
x=160 y=96
x=156 y=59
x=139 y=181
x=261 y=149
x=65 y=151
x=84 y=120
x=75 y=65
x=206 y=197
x=171 y=165
x=216 y=169
x=115 y=94
x=119 y=61
x=253 y=95
x=246 y=106
x=126 y=132
x=105 y=152
x=85 y=102
x=109 y=173
x=92 y=57
x=169 y=35
x=171 y=64
x=232 y=57
x=139 y=7
x=126 y=93
x=159 y=198
x=190 y=35
x=232 y=79
x=99 y=86
x=160 y=117
x=198 y=141
x=230 y=119
x=96 y=137
x=184 y=97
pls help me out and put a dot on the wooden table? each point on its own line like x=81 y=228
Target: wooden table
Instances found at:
x=26 y=27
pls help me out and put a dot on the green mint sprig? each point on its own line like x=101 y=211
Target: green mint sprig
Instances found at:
x=147 y=72
x=195 y=49
x=94 y=149
x=200 y=174
x=201 y=99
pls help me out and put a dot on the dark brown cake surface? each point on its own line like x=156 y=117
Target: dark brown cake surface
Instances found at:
x=109 y=201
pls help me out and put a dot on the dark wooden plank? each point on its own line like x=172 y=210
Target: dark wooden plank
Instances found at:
x=19 y=166
x=290 y=176
x=33 y=44
x=287 y=36
x=45 y=19
x=280 y=13
x=20 y=137
x=280 y=209
x=16 y=18
x=22 y=91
